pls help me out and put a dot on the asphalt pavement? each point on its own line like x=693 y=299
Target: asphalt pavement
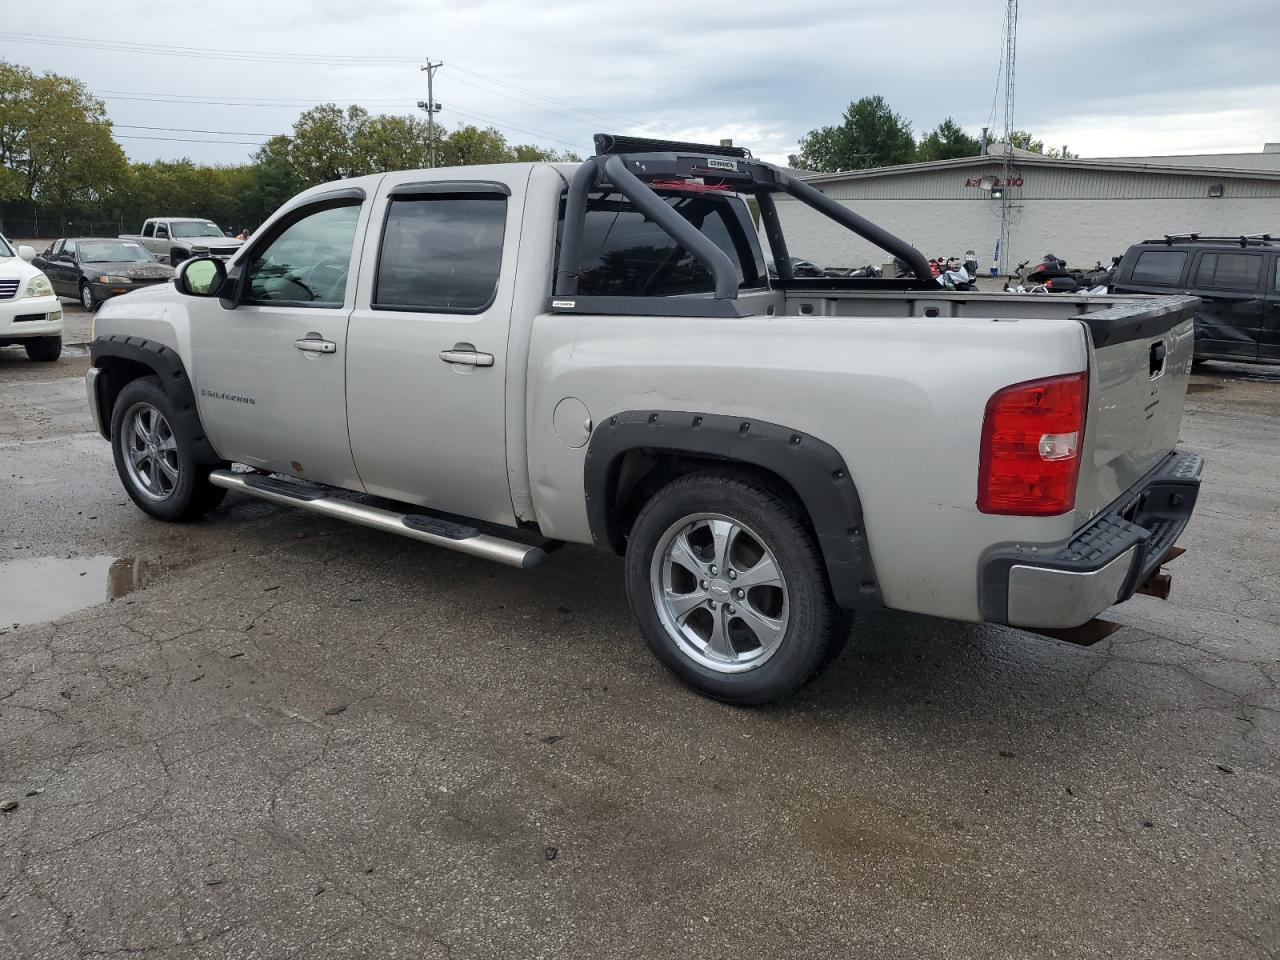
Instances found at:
x=271 y=735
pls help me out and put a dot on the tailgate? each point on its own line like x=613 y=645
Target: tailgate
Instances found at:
x=1140 y=366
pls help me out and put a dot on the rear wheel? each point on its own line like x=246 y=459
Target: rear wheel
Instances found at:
x=44 y=349
x=153 y=460
x=730 y=589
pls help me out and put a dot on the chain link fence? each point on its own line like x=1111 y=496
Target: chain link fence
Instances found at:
x=51 y=228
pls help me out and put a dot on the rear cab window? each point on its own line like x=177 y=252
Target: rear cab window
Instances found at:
x=624 y=254
x=1159 y=266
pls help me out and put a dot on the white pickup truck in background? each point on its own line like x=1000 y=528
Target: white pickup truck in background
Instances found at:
x=499 y=359
x=174 y=239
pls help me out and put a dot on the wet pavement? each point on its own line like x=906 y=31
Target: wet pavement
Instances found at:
x=286 y=737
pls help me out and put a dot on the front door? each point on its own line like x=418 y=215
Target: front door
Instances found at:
x=268 y=371
x=1229 y=321
x=427 y=351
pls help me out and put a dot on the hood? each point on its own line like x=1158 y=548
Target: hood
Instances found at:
x=129 y=268
x=15 y=268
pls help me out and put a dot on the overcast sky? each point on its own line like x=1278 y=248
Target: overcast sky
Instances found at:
x=1106 y=77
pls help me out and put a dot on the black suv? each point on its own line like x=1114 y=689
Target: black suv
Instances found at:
x=1236 y=278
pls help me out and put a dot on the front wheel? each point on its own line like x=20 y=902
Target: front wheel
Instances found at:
x=87 y=299
x=153 y=460
x=727 y=582
x=44 y=349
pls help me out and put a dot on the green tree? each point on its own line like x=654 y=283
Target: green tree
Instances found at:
x=385 y=142
x=323 y=146
x=55 y=141
x=947 y=142
x=869 y=135
x=1024 y=141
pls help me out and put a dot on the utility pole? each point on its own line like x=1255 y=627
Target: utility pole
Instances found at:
x=432 y=108
x=1006 y=196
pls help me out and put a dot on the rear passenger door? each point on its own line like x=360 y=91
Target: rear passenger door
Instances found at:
x=1229 y=285
x=427 y=344
x=1269 y=347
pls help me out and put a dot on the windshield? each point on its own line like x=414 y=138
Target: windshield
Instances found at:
x=113 y=251
x=5 y=249
x=195 y=228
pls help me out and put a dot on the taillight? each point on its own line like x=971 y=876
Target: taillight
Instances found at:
x=1030 y=455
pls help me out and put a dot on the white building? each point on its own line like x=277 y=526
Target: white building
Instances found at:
x=1083 y=210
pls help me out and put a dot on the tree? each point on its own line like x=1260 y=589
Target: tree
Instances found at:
x=384 y=142
x=55 y=141
x=947 y=142
x=323 y=146
x=869 y=135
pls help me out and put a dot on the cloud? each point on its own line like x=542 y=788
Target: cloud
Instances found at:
x=1104 y=77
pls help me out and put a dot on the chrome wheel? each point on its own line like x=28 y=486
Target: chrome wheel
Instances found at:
x=719 y=592
x=151 y=451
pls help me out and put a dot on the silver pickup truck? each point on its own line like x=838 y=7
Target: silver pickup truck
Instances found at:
x=499 y=359
x=174 y=239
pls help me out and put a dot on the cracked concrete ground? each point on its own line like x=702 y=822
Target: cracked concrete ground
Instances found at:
x=301 y=739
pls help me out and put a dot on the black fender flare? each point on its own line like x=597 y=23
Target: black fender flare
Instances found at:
x=815 y=470
x=167 y=365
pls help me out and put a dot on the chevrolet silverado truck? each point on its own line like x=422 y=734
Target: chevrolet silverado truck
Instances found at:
x=501 y=359
x=174 y=239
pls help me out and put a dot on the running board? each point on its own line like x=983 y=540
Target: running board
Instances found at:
x=427 y=529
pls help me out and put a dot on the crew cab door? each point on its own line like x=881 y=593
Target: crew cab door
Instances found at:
x=1229 y=321
x=1269 y=348
x=427 y=349
x=268 y=362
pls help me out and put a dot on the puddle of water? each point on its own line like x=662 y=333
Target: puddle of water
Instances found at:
x=40 y=589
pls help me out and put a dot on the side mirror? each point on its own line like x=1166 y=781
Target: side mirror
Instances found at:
x=27 y=253
x=201 y=277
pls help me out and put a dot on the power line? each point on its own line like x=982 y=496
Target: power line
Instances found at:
x=134 y=136
x=229 y=133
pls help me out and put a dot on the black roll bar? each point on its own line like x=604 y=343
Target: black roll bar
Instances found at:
x=742 y=174
x=863 y=227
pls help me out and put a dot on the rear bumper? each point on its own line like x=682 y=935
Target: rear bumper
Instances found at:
x=1063 y=585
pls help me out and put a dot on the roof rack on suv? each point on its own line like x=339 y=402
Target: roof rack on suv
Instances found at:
x=632 y=166
x=1243 y=239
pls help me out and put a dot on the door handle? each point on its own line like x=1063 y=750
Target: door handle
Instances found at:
x=316 y=345
x=469 y=357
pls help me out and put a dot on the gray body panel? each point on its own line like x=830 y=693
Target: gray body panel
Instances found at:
x=897 y=383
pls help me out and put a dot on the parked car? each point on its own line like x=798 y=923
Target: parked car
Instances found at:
x=480 y=359
x=174 y=239
x=94 y=269
x=30 y=314
x=1236 y=278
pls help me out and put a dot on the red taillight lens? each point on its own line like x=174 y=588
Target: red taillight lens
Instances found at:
x=1031 y=437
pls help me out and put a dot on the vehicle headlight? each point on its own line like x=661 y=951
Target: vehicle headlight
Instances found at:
x=37 y=286
x=110 y=278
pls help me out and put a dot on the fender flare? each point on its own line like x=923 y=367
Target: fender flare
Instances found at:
x=814 y=469
x=167 y=365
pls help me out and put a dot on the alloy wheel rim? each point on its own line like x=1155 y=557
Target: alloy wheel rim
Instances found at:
x=151 y=452
x=86 y=297
x=720 y=592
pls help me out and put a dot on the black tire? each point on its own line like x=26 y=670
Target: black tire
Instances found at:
x=816 y=628
x=44 y=349
x=87 y=299
x=176 y=256
x=192 y=495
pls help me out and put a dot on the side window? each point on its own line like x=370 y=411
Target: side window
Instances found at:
x=441 y=252
x=308 y=262
x=1159 y=266
x=162 y=231
x=1229 y=271
x=626 y=254
x=149 y=228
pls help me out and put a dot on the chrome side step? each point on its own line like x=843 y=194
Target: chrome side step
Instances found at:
x=433 y=530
